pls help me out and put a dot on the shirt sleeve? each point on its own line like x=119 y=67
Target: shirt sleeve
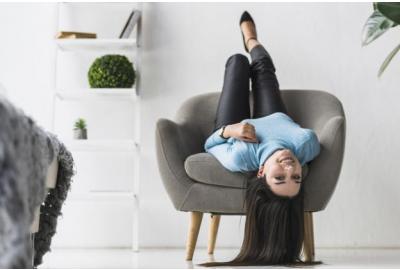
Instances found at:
x=213 y=140
x=224 y=154
x=310 y=148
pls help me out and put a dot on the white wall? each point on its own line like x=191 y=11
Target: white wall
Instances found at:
x=314 y=46
x=27 y=53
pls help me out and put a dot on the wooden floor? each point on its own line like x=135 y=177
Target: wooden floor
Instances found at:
x=174 y=258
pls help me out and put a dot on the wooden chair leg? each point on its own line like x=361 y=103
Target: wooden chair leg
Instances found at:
x=308 y=244
x=212 y=233
x=194 y=228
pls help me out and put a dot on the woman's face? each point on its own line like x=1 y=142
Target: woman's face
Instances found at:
x=283 y=173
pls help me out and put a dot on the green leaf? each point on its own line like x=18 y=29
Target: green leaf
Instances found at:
x=388 y=59
x=80 y=123
x=111 y=71
x=390 y=10
x=374 y=27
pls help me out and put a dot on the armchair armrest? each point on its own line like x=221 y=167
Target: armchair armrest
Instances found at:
x=324 y=170
x=174 y=143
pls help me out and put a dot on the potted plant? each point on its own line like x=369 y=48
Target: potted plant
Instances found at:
x=80 y=131
x=385 y=16
x=111 y=71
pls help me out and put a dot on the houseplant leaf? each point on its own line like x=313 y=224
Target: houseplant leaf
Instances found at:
x=374 y=27
x=390 y=10
x=388 y=59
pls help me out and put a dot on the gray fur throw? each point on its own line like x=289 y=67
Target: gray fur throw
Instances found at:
x=26 y=151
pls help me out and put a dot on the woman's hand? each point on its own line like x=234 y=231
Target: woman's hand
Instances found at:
x=241 y=131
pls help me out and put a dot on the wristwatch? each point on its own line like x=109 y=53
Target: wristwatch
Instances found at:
x=221 y=131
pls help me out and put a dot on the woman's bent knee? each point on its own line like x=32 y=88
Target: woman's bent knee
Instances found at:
x=238 y=58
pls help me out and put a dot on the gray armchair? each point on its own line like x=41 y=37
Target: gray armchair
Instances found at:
x=196 y=182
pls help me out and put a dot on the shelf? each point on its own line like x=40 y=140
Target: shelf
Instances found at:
x=104 y=196
x=97 y=93
x=102 y=145
x=89 y=44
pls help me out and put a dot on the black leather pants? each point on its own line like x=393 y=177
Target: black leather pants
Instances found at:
x=233 y=105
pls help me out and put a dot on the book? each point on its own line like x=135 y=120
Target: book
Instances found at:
x=130 y=24
x=68 y=34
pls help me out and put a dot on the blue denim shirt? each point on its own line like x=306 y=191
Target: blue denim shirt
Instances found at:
x=275 y=131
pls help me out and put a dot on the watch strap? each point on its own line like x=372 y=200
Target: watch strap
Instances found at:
x=222 y=132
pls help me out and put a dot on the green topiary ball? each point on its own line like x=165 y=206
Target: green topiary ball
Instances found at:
x=111 y=71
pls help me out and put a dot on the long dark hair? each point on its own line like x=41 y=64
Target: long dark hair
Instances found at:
x=274 y=229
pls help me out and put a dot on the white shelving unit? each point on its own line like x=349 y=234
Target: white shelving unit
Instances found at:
x=94 y=94
x=130 y=47
x=81 y=45
x=102 y=145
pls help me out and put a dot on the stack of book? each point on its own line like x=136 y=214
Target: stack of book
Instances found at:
x=73 y=35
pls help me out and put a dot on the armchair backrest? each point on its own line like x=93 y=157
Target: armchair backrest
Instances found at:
x=308 y=108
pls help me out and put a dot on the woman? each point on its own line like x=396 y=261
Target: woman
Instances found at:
x=272 y=143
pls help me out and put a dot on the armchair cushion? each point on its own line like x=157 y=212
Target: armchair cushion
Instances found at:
x=206 y=169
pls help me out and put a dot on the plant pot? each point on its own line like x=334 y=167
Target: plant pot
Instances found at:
x=80 y=134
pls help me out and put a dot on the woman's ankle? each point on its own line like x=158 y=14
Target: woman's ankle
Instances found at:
x=251 y=43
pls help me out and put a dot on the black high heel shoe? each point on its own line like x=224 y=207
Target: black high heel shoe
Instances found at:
x=246 y=17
